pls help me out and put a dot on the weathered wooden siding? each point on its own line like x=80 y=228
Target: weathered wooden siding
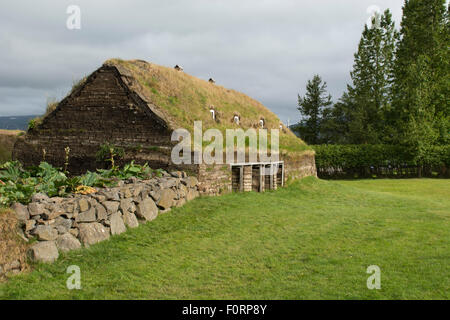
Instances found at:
x=103 y=111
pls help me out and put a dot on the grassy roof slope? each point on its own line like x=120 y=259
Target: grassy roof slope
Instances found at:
x=182 y=99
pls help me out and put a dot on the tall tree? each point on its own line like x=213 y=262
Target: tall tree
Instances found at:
x=312 y=107
x=369 y=95
x=420 y=100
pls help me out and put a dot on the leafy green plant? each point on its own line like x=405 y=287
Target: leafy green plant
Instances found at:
x=19 y=185
x=109 y=153
x=32 y=124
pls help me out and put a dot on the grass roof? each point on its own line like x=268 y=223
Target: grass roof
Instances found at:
x=181 y=99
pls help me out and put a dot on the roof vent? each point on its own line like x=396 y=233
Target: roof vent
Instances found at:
x=211 y=80
x=262 y=123
x=213 y=112
x=236 y=119
x=178 y=68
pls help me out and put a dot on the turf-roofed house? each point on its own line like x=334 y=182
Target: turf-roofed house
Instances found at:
x=135 y=106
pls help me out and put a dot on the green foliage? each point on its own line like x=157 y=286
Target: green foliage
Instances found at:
x=33 y=123
x=400 y=84
x=359 y=161
x=109 y=153
x=312 y=107
x=19 y=185
x=421 y=110
x=128 y=171
x=360 y=116
x=52 y=103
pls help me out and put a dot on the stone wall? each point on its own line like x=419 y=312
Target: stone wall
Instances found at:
x=300 y=167
x=214 y=179
x=64 y=224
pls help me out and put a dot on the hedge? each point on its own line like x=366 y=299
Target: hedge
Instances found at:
x=362 y=161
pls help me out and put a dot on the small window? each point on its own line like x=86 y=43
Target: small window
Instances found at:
x=236 y=119
x=261 y=123
x=213 y=114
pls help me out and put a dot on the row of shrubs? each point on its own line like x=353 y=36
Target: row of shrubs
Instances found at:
x=19 y=184
x=372 y=161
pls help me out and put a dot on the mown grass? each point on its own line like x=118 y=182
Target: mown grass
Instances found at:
x=311 y=240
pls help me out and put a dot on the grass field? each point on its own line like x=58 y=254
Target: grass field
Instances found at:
x=312 y=240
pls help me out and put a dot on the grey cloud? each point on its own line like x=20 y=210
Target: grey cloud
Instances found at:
x=266 y=49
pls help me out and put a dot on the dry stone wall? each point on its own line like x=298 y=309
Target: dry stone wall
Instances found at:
x=300 y=167
x=64 y=224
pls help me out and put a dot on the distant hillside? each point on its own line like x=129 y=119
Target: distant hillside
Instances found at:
x=7 y=140
x=293 y=128
x=15 y=122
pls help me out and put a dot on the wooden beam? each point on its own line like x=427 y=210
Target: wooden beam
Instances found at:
x=241 y=178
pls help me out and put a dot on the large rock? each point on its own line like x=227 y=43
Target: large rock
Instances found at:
x=83 y=205
x=125 y=193
x=45 y=233
x=36 y=209
x=99 y=197
x=21 y=212
x=190 y=182
x=29 y=225
x=182 y=191
x=130 y=220
x=40 y=197
x=117 y=225
x=69 y=209
x=192 y=194
x=166 y=183
x=62 y=225
x=176 y=174
x=53 y=211
x=45 y=251
x=155 y=194
x=127 y=205
x=166 y=200
x=67 y=242
x=60 y=221
x=87 y=216
x=136 y=191
x=111 y=206
x=112 y=194
x=91 y=233
x=147 y=210
x=101 y=212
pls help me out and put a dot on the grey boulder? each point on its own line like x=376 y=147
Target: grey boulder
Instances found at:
x=147 y=210
x=91 y=233
x=45 y=251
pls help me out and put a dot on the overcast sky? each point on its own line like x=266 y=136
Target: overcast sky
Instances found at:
x=267 y=49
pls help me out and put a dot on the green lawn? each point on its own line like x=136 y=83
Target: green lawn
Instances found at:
x=312 y=240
